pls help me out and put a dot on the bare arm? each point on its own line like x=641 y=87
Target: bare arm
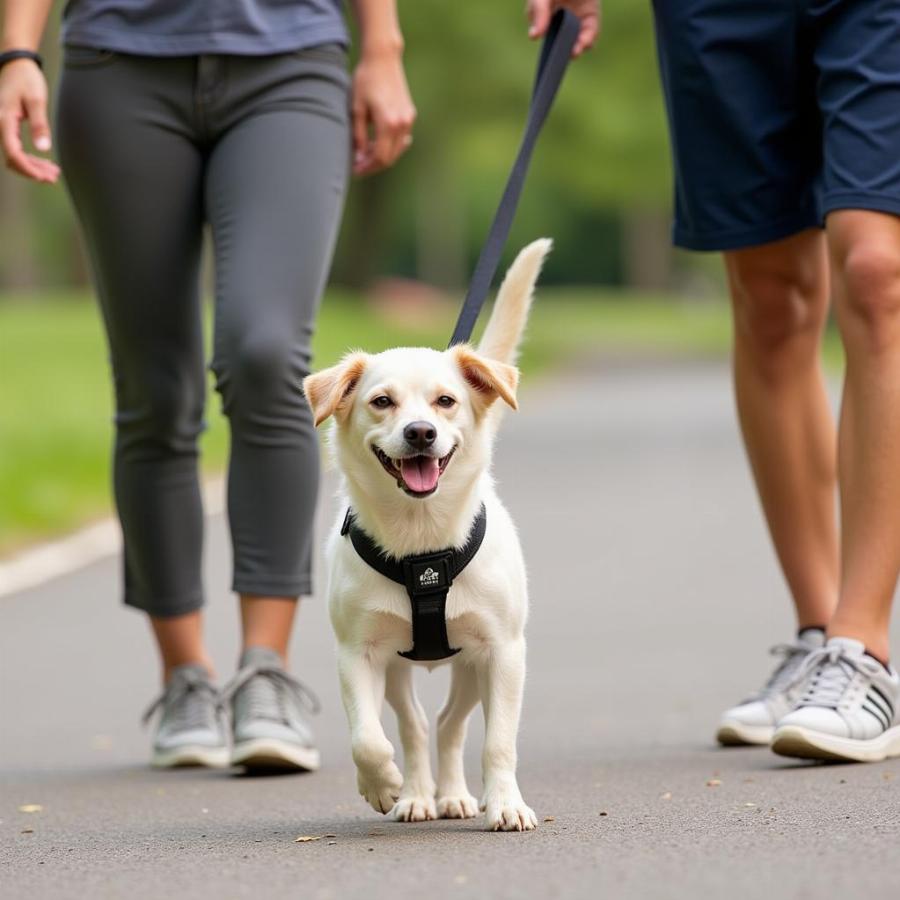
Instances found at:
x=588 y=11
x=383 y=111
x=23 y=23
x=23 y=90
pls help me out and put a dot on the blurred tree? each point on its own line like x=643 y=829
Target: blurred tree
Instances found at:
x=599 y=182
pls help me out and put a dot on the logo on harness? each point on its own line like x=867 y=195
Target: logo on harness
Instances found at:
x=429 y=578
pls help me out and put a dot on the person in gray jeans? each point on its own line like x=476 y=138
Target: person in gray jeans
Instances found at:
x=240 y=115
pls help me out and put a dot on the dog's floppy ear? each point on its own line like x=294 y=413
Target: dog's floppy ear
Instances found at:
x=330 y=390
x=488 y=378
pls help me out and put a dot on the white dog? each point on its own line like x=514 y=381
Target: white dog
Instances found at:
x=413 y=436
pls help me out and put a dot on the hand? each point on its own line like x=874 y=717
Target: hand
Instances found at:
x=23 y=95
x=383 y=112
x=588 y=11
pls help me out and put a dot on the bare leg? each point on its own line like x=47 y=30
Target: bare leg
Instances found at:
x=267 y=622
x=454 y=800
x=865 y=252
x=180 y=641
x=780 y=301
x=501 y=680
x=416 y=803
x=362 y=676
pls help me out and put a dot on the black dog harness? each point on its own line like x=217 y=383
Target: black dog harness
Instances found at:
x=427 y=579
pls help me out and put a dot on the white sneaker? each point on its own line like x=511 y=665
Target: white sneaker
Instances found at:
x=848 y=711
x=753 y=720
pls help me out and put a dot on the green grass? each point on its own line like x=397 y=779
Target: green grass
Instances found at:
x=56 y=401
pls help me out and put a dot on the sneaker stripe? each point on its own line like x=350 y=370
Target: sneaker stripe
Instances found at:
x=878 y=702
x=882 y=719
x=887 y=702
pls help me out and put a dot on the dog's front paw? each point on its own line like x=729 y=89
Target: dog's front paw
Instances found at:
x=462 y=806
x=508 y=813
x=415 y=809
x=380 y=787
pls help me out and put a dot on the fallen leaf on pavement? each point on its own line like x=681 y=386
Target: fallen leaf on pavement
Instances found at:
x=713 y=782
x=549 y=818
x=27 y=831
x=306 y=838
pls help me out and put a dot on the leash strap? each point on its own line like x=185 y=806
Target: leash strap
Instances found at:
x=427 y=579
x=555 y=54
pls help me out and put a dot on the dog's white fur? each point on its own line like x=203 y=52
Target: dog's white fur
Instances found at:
x=487 y=605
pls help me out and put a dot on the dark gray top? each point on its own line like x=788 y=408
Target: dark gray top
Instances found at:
x=189 y=27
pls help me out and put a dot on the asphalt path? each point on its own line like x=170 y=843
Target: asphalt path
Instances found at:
x=654 y=599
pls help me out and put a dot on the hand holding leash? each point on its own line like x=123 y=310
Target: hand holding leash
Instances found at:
x=588 y=12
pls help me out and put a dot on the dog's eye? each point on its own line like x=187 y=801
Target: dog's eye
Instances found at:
x=445 y=401
x=382 y=402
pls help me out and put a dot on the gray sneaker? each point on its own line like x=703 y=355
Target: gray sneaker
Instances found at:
x=190 y=731
x=269 y=715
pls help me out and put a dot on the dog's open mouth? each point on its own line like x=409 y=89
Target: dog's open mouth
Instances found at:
x=417 y=475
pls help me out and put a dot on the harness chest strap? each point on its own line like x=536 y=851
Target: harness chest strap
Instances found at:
x=427 y=579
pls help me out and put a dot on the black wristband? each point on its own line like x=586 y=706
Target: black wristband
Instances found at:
x=9 y=55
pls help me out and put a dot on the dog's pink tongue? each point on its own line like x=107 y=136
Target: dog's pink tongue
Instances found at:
x=420 y=473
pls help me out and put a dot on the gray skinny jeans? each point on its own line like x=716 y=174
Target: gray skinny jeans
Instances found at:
x=152 y=150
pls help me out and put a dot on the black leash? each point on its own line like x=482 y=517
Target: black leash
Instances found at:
x=555 y=55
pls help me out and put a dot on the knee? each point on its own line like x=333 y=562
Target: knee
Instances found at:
x=262 y=372
x=159 y=412
x=869 y=296
x=777 y=311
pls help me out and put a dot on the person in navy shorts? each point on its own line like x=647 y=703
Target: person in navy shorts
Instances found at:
x=785 y=130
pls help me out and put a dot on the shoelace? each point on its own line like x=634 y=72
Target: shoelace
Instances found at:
x=831 y=670
x=793 y=656
x=271 y=703
x=188 y=698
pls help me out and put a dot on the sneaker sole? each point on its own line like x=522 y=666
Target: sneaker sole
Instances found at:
x=802 y=743
x=270 y=753
x=732 y=733
x=191 y=756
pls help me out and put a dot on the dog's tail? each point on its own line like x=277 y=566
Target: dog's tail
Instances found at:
x=505 y=328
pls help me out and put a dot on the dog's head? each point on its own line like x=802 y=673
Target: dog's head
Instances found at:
x=412 y=419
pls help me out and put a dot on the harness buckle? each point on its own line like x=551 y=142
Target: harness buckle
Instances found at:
x=428 y=574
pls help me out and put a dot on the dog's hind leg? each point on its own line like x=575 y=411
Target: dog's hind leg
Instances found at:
x=416 y=801
x=454 y=800
x=501 y=680
x=362 y=677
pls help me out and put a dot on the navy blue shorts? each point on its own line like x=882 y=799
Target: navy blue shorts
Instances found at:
x=780 y=112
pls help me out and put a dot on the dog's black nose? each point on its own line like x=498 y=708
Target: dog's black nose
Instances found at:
x=419 y=434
